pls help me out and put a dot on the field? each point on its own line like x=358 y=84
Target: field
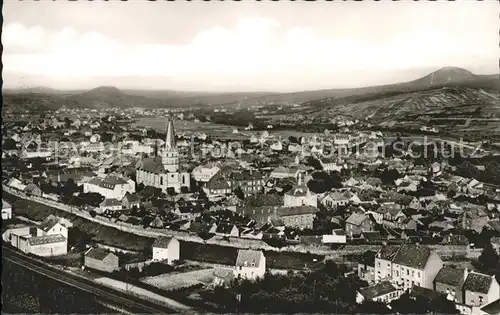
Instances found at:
x=32 y=210
x=184 y=126
x=227 y=256
x=289 y=260
x=140 y=292
x=177 y=281
x=208 y=253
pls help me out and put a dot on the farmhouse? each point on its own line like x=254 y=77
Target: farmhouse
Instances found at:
x=381 y=292
x=99 y=259
x=166 y=249
x=6 y=210
x=250 y=264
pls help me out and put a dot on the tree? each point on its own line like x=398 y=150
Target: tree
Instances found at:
x=92 y=199
x=313 y=162
x=47 y=187
x=441 y=305
x=489 y=257
x=372 y=307
x=70 y=187
x=139 y=187
x=323 y=182
x=107 y=137
x=497 y=272
x=239 y=193
x=9 y=144
x=389 y=176
x=423 y=305
x=293 y=139
x=202 y=195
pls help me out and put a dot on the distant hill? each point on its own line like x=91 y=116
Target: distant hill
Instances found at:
x=108 y=96
x=445 y=75
x=448 y=76
x=453 y=100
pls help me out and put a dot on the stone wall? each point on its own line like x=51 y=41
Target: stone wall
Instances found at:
x=236 y=242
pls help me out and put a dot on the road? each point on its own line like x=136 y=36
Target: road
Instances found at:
x=106 y=294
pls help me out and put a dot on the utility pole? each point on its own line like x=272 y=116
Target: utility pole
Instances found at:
x=314 y=290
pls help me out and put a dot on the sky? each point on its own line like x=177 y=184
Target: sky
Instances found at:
x=242 y=46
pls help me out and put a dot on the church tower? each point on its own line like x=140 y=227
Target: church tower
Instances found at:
x=170 y=156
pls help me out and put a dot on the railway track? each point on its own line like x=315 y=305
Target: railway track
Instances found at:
x=106 y=294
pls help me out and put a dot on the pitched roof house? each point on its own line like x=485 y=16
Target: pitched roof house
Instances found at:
x=100 y=259
x=358 y=223
x=250 y=264
x=166 y=249
x=407 y=266
x=480 y=289
x=383 y=292
x=450 y=281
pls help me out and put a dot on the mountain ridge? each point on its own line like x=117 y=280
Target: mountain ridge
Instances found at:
x=111 y=96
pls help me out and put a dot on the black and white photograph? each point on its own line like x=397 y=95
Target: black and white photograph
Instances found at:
x=250 y=157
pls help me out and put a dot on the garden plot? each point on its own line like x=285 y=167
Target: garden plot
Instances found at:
x=176 y=281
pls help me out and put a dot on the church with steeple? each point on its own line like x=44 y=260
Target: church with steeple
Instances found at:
x=162 y=170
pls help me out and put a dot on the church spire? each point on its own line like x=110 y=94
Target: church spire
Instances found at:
x=170 y=139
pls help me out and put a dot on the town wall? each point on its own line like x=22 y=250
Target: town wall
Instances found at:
x=236 y=242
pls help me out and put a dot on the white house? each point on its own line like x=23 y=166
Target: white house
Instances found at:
x=54 y=226
x=110 y=204
x=33 y=240
x=383 y=292
x=204 y=173
x=250 y=264
x=407 y=266
x=331 y=167
x=276 y=146
x=334 y=200
x=338 y=236
x=300 y=196
x=111 y=186
x=6 y=210
x=285 y=172
x=16 y=184
x=166 y=249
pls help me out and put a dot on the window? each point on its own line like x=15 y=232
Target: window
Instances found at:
x=397 y=273
x=407 y=272
x=413 y=273
x=418 y=274
x=378 y=264
x=480 y=300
